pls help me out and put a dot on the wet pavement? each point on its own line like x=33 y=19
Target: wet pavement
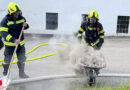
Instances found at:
x=115 y=51
x=68 y=84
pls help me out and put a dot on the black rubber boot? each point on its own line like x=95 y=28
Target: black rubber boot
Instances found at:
x=5 y=66
x=22 y=74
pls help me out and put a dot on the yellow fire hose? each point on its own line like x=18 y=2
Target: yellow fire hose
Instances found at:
x=31 y=59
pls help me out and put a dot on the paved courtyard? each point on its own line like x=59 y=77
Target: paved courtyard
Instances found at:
x=116 y=53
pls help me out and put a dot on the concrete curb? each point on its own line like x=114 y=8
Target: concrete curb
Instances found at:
x=114 y=75
x=66 y=76
x=43 y=78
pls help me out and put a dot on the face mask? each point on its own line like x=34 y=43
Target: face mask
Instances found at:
x=16 y=14
x=92 y=20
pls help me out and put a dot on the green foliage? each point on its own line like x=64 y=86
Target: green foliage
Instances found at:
x=121 y=87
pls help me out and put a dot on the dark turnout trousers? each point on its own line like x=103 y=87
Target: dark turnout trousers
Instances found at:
x=20 y=52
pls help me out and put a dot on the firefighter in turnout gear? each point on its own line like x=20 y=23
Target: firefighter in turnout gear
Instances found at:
x=94 y=33
x=94 y=37
x=10 y=28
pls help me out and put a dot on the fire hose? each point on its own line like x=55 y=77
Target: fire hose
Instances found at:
x=35 y=58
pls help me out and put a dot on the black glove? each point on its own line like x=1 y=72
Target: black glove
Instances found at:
x=98 y=46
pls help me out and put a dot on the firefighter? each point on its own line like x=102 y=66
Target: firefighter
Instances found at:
x=10 y=28
x=94 y=33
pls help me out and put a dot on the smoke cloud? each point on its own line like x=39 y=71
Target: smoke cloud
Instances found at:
x=78 y=55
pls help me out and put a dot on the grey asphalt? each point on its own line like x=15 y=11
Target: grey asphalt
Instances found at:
x=115 y=50
x=67 y=84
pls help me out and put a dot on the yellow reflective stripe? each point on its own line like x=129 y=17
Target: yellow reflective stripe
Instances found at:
x=102 y=31
x=17 y=22
x=20 y=21
x=95 y=43
x=85 y=41
x=8 y=37
x=4 y=29
x=81 y=29
x=9 y=43
x=90 y=28
x=101 y=36
x=79 y=35
x=13 y=44
x=4 y=63
x=10 y=22
x=22 y=42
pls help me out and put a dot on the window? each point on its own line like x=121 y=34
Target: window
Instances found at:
x=51 y=21
x=122 y=24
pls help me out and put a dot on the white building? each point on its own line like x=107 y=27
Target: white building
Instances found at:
x=67 y=14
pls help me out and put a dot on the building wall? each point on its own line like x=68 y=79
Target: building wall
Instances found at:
x=69 y=13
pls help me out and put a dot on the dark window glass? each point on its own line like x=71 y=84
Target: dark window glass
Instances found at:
x=122 y=24
x=51 y=21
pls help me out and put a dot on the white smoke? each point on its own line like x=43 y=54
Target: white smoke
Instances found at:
x=85 y=56
x=78 y=55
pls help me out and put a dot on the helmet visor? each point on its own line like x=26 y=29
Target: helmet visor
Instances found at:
x=93 y=20
x=18 y=12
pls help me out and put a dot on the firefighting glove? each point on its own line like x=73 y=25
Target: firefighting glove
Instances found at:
x=79 y=37
x=99 y=45
x=94 y=46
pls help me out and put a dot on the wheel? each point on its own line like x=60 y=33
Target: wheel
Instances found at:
x=92 y=77
x=92 y=81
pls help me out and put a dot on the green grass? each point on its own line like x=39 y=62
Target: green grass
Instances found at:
x=121 y=87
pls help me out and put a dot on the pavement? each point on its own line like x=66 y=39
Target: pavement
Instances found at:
x=116 y=52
